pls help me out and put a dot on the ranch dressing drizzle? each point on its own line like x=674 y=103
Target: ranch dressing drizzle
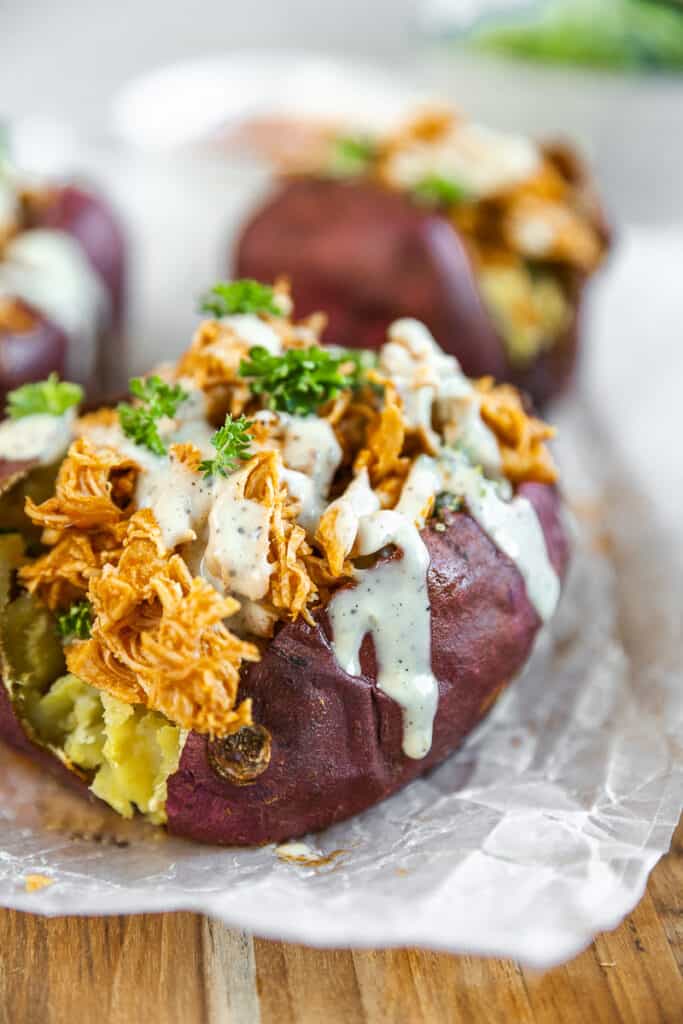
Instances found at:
x=425 y=377
x=513 y=526
x=239 y=540
x=39 y=436
x=422 y=484
x=358 y=500
x=49 y=270
x=391 y=602
x=310 y=446
x=179 y=497
x=476 y=158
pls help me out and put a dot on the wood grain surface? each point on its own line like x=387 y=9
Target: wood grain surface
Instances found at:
x=182 y=969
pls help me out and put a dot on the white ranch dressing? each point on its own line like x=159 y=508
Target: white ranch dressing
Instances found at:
x=391 y=601
x=392 y=604
x=358 y=500
x=422 y=484
x=513 y=526
x=239 y=540
x=39 y=436
x=463 y=426
x=179 y=498
x=49 y=270
x=254 y=331
x=425 y=377
x=478 y=159
x=302 y=489
x=310 y=446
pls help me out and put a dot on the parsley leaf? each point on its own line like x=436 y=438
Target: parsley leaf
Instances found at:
x=76 y=623
x=157 y=399
x=352 y=154
x=245 y=296
x=232 y=442
x=435 y=190
x=52 y=396
x=300 y=380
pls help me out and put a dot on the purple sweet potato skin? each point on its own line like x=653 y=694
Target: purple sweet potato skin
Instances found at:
x=32 y=354
x=88 y=218
x=368 y=256
x=336 y=740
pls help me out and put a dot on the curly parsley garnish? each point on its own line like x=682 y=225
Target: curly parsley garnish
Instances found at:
x=76 y=623
x=157 y=399
x=232 y=442
x=245 y=296
x=351 y=155
x=52 y=396
x=300 y=380
x=435 y=190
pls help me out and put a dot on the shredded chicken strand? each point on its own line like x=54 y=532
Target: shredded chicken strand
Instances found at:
x=291 y=588
x=93 y=490
x=521 y=437
x=158 y=637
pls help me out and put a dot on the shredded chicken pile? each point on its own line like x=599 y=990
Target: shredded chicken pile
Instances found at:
x=159 y=635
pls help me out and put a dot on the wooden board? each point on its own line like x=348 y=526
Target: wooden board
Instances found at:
x=182 y=969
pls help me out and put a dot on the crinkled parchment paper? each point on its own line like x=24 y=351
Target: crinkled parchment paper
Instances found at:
x=538 y=833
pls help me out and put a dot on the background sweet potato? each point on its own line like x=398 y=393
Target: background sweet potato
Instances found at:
x=368 y=256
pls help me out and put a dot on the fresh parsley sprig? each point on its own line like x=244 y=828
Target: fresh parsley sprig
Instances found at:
x=299 y=381
x=232 y=442
x=436 y=190
x=52 y=396
x=244 y=296
x=156 y=399
x=76 y=623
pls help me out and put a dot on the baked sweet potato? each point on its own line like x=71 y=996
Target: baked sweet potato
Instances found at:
x=367 y=252
x=314 y=744
x=71 y=328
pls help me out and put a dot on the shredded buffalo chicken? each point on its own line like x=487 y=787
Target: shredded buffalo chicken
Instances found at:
x=161 y=632
x=159 y=637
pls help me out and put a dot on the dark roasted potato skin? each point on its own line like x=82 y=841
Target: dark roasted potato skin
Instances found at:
x=368 y=256
x=336 y=740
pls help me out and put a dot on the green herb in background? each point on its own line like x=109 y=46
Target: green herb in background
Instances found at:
x=157 y=399
x=626 y=34
x=351 y=155
x=52 y=396
x=435 y=190
x=245 y=296
x=300 y=380
x=232 y=442
x=76 y=623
